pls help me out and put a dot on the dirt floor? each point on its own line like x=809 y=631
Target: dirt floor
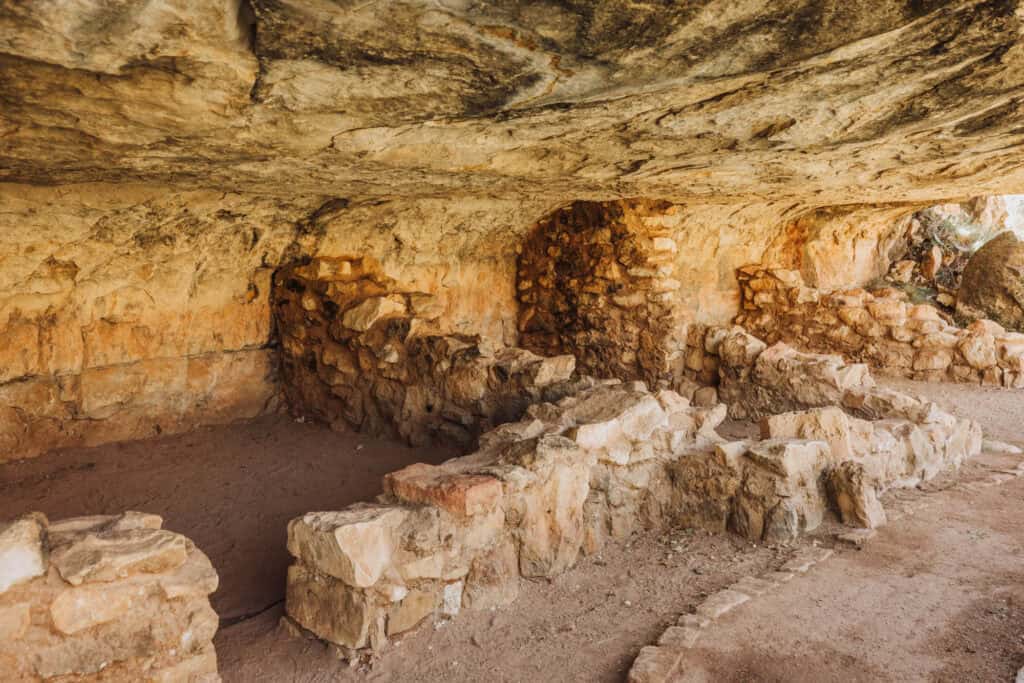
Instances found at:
x=230 y=489
x=935 y=596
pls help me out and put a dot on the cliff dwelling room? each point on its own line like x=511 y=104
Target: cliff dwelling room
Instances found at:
x=511 y=341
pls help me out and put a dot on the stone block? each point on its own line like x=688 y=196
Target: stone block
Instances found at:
x=460 y=494
x=365 y=315
x=654 y=665
x=115 y=553
x=21 y=550
x=356 y=545
x=854 y=496
x=331 y=608
x=721 y=602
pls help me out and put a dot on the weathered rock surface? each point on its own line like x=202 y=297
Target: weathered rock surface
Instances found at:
x=880 y=328
x=418 y=98
x=112 y=598
x=359 y=347
x=602 y=463
x=161 y=160
x=993 y=283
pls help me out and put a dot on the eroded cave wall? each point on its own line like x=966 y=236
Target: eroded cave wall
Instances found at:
x=619 y=283
x=130 y=311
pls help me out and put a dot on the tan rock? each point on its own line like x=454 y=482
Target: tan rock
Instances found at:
x=979 y=350
x=931 y=263
x=86 y=606
x=115 y=554
x=14 y=621
x=21 y=550
x=411 y=610
x=363 y=316
x=330 y=608
x=855 y=496
x=356 y=545
x=461 y=494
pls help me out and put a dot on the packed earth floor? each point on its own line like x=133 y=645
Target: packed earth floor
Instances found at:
x=937 y=595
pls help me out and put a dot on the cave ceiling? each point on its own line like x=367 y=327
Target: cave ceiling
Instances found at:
x=819 y=102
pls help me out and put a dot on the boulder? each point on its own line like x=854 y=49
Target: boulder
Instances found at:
x=993 y=283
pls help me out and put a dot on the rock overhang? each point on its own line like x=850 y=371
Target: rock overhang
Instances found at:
x=805 y=100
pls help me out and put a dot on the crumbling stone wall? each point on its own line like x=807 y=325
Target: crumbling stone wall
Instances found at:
x=596 y=280
x=595 y=467
x=881 y=328
x=358 y=347
x=104 y=598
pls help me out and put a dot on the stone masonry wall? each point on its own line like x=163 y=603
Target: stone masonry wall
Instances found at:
x=596 y=280
x=104 y=598
x=359 y=348
x=880 y=328
x=597 y=466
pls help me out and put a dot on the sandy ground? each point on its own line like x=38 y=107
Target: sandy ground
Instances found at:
x=936 y=596
x=230 y=489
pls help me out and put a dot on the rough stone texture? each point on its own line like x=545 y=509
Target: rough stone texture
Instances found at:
x=675 y=101
x=109 y=598
x=993 y=283
x=357 y=346
x=880 y=328
x=599 y=465
x=160 y=159
x=598 y=281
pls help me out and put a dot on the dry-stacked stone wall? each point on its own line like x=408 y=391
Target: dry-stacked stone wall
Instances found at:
x=104 y=598
x=358 y=348
x=597 y=280
x=598 y=465
x=881 y=328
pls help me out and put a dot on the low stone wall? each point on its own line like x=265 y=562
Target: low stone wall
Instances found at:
x=881 y=328
x=595 y=467
x=359 y=348
x=104 y=598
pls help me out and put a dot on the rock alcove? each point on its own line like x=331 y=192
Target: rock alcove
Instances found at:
x=563 y=239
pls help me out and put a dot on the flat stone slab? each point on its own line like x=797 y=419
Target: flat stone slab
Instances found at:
x=721 y=602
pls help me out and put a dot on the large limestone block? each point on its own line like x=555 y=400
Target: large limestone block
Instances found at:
x=445 y=487
x=356 y=545
x=115 y=554
x=845 y=436
x=21 y=550
x=993 y=283
x=550 y=511
x=854 y=496
x=332 y=609
x=364 y=315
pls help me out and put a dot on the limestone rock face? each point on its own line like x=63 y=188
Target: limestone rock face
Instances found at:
x=417 y=97
x=162 y=159
x=993 y=283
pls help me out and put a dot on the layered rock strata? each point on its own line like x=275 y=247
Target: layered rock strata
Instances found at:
x=881 y=328
x=596 y=466
x=104 y=598
x=359 y=348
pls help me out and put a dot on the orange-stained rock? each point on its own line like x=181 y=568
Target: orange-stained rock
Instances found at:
x=459 y=494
